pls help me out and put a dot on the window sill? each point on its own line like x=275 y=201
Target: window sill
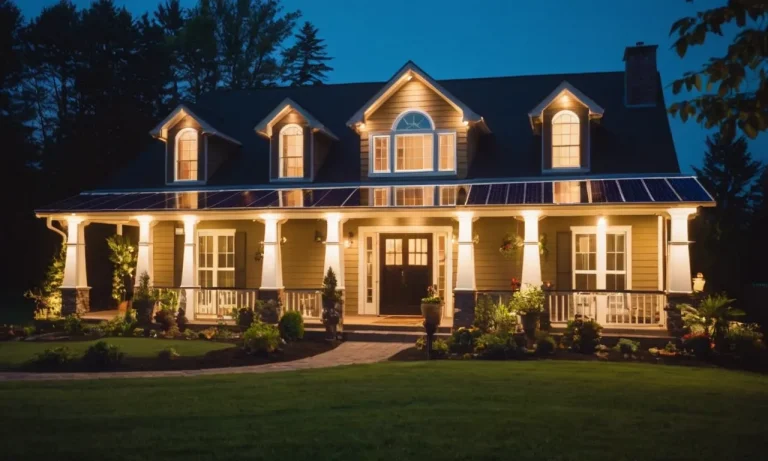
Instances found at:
x=565 y=170
x=185 y=182
x=412 y=173
x=292 y=179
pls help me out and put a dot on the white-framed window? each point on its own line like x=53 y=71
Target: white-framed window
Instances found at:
x=380 y=154
x=447 y=195
x=414 y=152
x=605 y=266
x=291 y=198
x=216 y=258
x=585 y=261
x=414 y=196
x=567 y=191
x=616 y=261
x=447 y=151
x=369 y=259
x=566 y=140
x=380 y=196
x=187 y=150
x=291 y=146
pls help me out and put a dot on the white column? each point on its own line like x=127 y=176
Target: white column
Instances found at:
x=679 y=257
x=531 y=257
x=334 y=251
x=272 y=265
x=601 y=241
x=74 y=264
x=189 y=265
x=144 y=257
x=465 y=271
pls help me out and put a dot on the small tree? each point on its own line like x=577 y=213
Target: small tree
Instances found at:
x=331 y=297
x=712 y=316
x=47 y=297
x=305 y=62
x=123 y=257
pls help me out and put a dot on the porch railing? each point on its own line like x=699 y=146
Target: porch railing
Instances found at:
x=609 y=308
x=215 y=303
x=307 y=302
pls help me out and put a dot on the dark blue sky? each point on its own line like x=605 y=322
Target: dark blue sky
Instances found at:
x=370 y=40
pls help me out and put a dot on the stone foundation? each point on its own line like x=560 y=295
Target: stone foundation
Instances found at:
x=75 y=301
x=463 y=308
x=674 y=319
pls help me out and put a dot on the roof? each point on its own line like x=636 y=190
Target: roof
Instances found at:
x=161 y=130
x=628 y=141
x=265 y=126
x=594 y=109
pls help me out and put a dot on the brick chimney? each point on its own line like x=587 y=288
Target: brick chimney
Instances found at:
x=640 y=81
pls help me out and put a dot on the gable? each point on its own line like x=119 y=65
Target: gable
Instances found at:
x=414 y=95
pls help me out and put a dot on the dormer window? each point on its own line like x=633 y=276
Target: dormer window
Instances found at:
x=292 y=152
x=414 y=138
x=566 y=140
x=186 y=155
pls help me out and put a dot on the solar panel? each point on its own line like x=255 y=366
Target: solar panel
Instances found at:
x=660 y=190
x=74 y=202
x=333 y=198
x=599 y=194
x=689 y=189
x=478 y=194
x=548 y=192
x=498 y=194
x=103 y=202
x=534 y=192
x=353 y=199
x=516 y=193
x=612 y=191
x=634 y=191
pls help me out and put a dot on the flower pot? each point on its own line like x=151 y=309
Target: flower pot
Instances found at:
x=432 y=312
x=145 y=312
x=530 y=325
x=123 y=306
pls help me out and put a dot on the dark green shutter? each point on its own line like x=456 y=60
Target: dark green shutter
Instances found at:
x=240 y=258
x=564 y=259
x=178 y=257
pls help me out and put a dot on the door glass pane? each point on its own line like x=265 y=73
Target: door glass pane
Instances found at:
x=393 y=252
x=586 y=281
x=226 y=279
x=369 y=269
x=441 y=239
x=417 y=252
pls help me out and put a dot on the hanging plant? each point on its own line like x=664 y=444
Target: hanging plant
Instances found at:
x=260 y=253
x=543 y=250
x=123 y=257
x=510 y=244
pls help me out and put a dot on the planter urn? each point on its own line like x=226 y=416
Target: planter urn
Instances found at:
x=530 y=325
x=432 y=313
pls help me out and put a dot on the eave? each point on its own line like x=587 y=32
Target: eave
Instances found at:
x=181 y=111
x=565 y=88
x=264 y=127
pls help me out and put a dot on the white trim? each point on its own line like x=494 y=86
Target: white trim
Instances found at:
x=264 y=127
x=161 y=130
x=215 y=233
x=455 y=151
x=280 y=152
x=376 y=232
x=600 y=267
x=594 y=108
x=425 y=194
x=552 y=146
x=660 y=251
x=372 y=153
x=176 y=155
x=419 y=111
x=419 y=133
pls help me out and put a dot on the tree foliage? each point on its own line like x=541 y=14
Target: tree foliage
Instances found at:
x=306 y=59
x=123 y=258
x=47 y=296
x=729 y=98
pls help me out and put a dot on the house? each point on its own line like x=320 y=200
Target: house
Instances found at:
x=409 y=183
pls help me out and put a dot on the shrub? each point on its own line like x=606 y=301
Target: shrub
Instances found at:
x=190 y=334
x=208 y=333
x=168 y=353
x=172 y=332
x=117 y=327
x=291 y=326
x=545 y=344
x=181 y=319
x=439 y=348
x=52 y=358
x=222 y=332
x=29 y=330
x=699 y=344
x=627 y=346
x=166 y=319
x=670 y=347
x=244 y=317
x=138 y=332
x=494 y=346
x=267 y=311
x=744 y=340
x=73 y=325
x=582 y=335
x=528 y=300
x=493 y=316
x=261 y=338
x=96 y=331
x=421 y=343
x=463 y=340
x=102 y=356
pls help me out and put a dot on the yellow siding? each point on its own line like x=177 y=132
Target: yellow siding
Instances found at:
x=162 y=253
x=492 y=270
x=303 y=258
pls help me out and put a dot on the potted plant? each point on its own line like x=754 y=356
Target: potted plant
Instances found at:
x=331 y=304
x=528 y=302
x=432 y=306
x=144 y=300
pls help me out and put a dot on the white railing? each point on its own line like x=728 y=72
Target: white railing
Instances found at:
x=219 y=302
x=307 y=302
x=609 y=308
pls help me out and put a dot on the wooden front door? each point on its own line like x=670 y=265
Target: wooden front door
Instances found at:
x=406 y=272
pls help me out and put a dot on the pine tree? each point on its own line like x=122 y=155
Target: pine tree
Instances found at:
x=305 y=62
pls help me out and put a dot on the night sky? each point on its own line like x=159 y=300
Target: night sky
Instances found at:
x=370 y=40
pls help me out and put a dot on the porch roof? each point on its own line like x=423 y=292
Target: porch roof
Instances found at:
x=675 y=190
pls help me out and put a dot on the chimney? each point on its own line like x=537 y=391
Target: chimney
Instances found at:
x=640 y=81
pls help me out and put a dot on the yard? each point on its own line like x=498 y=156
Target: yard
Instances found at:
x=398 y=410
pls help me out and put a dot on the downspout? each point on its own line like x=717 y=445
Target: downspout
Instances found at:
x=49 y=225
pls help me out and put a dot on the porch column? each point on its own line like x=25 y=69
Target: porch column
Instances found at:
x=464 y=293
x=189 y=266
x=531 y=257
x=601 y=246
x=271 y=263
x=144 y=257
x=75 y=292
x=334 y=251
x=679 y=258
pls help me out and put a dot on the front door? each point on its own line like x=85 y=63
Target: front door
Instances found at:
x=406 y=272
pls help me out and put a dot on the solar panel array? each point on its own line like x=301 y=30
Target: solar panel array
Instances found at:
x=609 y=191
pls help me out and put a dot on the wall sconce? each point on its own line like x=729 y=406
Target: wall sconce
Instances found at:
x=283 y=240
x=349 y=241
x=453 y=239
x=319 y=237
x=476 y=239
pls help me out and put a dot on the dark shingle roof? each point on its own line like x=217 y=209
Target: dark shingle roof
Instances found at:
x=625 y=141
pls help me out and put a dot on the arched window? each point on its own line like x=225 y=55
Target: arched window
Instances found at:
x=291 y=152
x=414 y=142
x=186 y=155
x=566 y=140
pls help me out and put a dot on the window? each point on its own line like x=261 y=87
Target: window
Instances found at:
x=414 y=152
x=186 y=200
x=291 y=198
x=567 y=192
x=616 y=260
x=393 y=252
x=291 y=152
x=414 y=196
x=381 y=196
x=447 y=143
x=381 y=154
x=216 y=258
x=585 y=259
x=413 y=121
x=186 y=155
x=447 y=195
x=442 y=240
x=369 y=269
x=418 y=252
x=566 y=140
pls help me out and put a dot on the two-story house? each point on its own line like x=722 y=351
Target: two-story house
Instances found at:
x=409 y=183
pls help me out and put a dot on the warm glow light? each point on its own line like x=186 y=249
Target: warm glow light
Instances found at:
x=408 y=77
x=465 y=123
x=565 y=99
x=361 y=126
x=602 y=222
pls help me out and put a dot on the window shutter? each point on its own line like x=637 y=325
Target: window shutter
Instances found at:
x=240 y=258
x=202 y=155
x=564 y=259
x=546 y=140
x=178 y=257
x=584 y=135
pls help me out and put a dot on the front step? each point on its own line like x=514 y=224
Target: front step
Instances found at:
x=375 y=336
x=350 y=327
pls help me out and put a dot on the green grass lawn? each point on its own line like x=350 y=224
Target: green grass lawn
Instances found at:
x=16 y=353
x=449 y=410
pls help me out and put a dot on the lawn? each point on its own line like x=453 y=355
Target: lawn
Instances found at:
x=449 y=410
x=16 y=353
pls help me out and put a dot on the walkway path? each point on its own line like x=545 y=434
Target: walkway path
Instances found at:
x=348 y=353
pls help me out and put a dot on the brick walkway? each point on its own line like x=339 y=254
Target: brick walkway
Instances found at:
x=348 y=353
